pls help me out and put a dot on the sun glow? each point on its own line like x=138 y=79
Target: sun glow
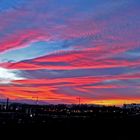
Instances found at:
x=7 y=76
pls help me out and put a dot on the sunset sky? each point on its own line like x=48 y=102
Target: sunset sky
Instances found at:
x=60 y=50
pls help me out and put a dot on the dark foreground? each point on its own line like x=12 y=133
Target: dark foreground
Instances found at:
x=99 y=121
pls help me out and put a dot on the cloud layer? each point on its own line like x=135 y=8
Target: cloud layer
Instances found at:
x=59 y=50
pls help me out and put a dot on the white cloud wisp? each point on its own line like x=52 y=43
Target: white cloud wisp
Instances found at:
x=7 y=76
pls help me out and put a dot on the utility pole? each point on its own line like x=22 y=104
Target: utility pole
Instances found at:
x=7 y=103
x=79 y=100
x=36 y=101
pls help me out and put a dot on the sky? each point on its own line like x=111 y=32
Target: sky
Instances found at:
x=62 y=50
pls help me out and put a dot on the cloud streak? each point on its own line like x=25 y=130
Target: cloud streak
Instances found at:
x=62 y=50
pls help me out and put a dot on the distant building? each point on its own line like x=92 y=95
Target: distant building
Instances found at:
x=129 y=106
